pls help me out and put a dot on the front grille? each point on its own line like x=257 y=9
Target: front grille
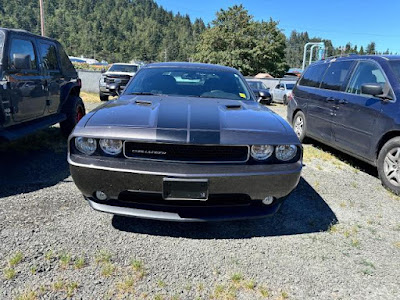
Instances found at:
x=111 y=79
x=186 y=153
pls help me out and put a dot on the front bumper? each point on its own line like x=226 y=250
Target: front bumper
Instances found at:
x=118 y=177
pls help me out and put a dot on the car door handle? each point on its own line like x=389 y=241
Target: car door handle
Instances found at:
x=330 y=99
x=342 y=101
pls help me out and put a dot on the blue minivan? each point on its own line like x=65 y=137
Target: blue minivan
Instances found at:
x=353 y=104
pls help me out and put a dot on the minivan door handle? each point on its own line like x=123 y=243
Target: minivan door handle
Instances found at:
x=342 y=101
x=330 y=99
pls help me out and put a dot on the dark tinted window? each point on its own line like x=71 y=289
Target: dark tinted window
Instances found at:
x=2 y=37
x=313 y=75
x=66 y=65
x=22 y=47
x=256 y=85
x=395 y=64
x=289 y=86
x=336 y=75
x=49 y=56
x=366 y=72
x=124 y=68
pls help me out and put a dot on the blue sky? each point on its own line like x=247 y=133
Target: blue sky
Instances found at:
x=355 y=21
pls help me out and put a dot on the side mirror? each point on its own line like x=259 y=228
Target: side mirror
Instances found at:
x=103 y=70
x=21 y=61
x=373 y=89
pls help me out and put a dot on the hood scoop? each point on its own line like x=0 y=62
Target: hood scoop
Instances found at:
x=233 y=107
x=143 y=102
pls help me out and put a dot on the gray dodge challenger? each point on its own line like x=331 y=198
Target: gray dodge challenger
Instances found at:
x=185 y=142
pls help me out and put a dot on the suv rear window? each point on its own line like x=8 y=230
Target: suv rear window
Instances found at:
x=336 y=75
x=313 y=75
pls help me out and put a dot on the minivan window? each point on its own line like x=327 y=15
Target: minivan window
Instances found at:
x=336 y=75
x=395 y=64
x=49 y=56
x=313 y=75
x=366 y=72
x=19 y=46
x=2 y=37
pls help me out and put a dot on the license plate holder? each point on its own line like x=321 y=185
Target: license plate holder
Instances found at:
x=185 y=189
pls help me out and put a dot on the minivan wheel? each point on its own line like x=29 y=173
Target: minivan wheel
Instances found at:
x=103 y=97
x=389 y=165
x=285 y=100
x=299 y=125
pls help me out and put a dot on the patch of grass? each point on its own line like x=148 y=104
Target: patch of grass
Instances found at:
x=58 y=285
x=65 y=260
x=188 y=287
x=343 y=204
x=126 y=286
x=250 y=284
x=103 y=256
x=90 y=97
x=27 y=295
x=16 y=259
x=33 y=270
x=49 y=255
x=333 y=228
x=158 y=297
x=79 y=263
x=311 y=153
x=224 y=293
x=69 y=287
x=200 y=288
x=161 y=284
x=354 y=184
x=237 y=277
x=355 y=243
x=136 y=265
x=284 y=295
x=107 y=269
x=263 y=291
x=9 y=273
x=367 y=263
x=367 y=271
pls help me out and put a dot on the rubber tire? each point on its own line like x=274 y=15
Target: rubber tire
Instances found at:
x=103 y=97
x=392 y=143
x=302 y=137
x=73 y=106
x=285 y=100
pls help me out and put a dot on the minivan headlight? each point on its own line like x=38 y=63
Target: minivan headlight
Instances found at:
x=285 y=152
x=86 y=145
x=261 y=152
x=111 y=146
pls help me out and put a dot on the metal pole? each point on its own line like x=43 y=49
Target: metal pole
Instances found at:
x=42 y=17
x=312 y=52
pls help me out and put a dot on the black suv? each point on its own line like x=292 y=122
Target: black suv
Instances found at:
x=39 y=86
x=352 y=104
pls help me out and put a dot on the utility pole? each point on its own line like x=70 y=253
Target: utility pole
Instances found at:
x=42 y=17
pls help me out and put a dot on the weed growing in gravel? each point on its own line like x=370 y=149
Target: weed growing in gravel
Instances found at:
x=355 y=243
x=225 y=293
x=188 y=287
x=69 y=287
x=333 y=228
x=126 y=286
x=397 y=244
x=27 y=295
x=367 y=263
x=158 y=297
x=103 y=256
x=9 y=273
x=33 y=270
x=354 y=185
x=250 y=284
x=284 y=295
x=263 y=291
x=49 y=255
x=200 y=288
x=107 y=269
x=79 y=263
x=237 y=277
x=65 y=260
x=136 y=265
x=161 y=284
x=16 y=259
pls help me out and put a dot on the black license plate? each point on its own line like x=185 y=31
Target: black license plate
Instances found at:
x=185 y=189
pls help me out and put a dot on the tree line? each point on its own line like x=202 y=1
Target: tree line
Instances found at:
x=123 y=30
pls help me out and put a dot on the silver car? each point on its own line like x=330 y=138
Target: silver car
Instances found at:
x=282 y=92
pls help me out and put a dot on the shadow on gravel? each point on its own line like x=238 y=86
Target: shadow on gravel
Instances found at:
x=34 y=162
x=348 y=159
x=304 y=211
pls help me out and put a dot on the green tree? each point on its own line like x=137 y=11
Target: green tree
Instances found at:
x=236 y=40
x=371 y=48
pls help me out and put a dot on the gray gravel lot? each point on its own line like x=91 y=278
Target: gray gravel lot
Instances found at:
x=336 y=237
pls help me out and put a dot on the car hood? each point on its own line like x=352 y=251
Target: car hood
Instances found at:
x=190 y=120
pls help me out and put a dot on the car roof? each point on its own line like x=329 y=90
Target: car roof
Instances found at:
x=356 y=56
x=24 y=32
x=190 y=65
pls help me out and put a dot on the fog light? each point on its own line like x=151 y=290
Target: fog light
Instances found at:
x=101 y=195
x=268 y=200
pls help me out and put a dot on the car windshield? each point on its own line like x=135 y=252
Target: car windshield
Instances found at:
x=189 y=82
x=2 y=36
x=256 y=85
x=396 y=68
x=124 y=68
x=289 y=86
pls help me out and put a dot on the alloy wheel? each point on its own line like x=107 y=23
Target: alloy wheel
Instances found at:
x=391 y=166
x=299 y=125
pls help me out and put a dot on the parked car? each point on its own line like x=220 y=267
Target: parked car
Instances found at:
x=118 y=73
x=351 y=104
x=39 y=86
x=282 y=92
x=185 y=142
x=260 y=90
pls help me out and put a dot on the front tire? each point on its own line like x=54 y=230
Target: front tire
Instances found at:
x=75 y=110
x=388 y=165
x=300 y=125
x=285 y=100
x=103 y=97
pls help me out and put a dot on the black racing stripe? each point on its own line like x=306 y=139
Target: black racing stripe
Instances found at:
x=172 y=115
x=205 y=137
x=166 y=135
x=204 y=116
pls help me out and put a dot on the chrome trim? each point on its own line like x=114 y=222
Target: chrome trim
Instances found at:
x=183 y=161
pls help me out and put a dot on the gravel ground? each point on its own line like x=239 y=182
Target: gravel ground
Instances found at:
x=336 y=237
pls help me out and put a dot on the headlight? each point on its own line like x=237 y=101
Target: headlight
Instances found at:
x=86 y=145
x=261 y=152
x=285 y=152
x=111 y=147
